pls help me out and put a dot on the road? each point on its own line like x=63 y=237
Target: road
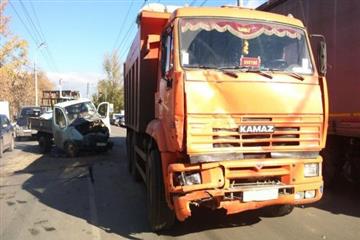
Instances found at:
x=93 y=197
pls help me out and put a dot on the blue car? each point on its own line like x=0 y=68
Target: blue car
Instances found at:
x=7 y=136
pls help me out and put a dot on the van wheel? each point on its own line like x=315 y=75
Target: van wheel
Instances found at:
x=44 y=144
x=160 y=215
x=279 y=210
x=71 y=149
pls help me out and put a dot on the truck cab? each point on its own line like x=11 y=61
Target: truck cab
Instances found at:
x=239 y=115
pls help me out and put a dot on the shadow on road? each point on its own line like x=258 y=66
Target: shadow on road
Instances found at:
x=98 y=189
x=342 y=198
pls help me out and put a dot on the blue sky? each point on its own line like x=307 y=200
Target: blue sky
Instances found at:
x=79 y=32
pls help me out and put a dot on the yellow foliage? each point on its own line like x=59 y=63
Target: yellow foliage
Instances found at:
x=16 y=76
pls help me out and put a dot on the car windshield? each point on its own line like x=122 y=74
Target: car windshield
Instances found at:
x=80 y=110
x=234 y=44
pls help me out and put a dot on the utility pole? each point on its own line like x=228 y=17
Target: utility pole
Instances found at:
x=43 y=44
x=87 y=89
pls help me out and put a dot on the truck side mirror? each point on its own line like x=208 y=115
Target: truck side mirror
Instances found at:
x=322 y=54
x=322 y=58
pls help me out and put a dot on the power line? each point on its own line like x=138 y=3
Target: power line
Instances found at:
x=37 y=19
x=36 y=34
x=193 y=2
x=47 y=49
x=202 y=4
x=30 y=21
x=121 y=29
x=126 y=36
x=21 y=20
x=39 y=36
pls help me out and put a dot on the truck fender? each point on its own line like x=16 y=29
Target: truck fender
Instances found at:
x=156 y=131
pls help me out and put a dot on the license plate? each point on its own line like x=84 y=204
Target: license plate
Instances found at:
x=100 y=144
x=260 y=195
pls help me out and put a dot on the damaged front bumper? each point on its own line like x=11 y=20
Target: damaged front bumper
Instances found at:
x=96 y=141
x=243 y=185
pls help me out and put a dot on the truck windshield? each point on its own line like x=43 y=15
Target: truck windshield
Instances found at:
x=234 y=44
x=80 y=110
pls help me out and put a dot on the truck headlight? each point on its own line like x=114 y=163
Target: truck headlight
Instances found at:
x=311 y=169
x=189 y=178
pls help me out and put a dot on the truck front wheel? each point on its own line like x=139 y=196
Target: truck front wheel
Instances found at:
x=160 y=215
x=279 y=210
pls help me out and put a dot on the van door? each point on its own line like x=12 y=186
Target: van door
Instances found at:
x=59 y=127
x=104 y=111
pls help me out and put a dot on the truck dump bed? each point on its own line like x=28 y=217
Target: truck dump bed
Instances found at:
x=339 y=23
x=140 y=70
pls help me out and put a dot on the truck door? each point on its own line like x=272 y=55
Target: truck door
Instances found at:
x=104 y=111
x=59 y=127
x=166 y=90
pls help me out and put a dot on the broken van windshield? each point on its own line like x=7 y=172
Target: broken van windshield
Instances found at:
x=227 y=43
x=80 y=110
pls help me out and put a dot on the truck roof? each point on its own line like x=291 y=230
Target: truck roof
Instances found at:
x=235 y=12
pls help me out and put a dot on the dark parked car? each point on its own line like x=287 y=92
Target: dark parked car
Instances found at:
x=22 y=122
x=120 y=121
x=6 y=135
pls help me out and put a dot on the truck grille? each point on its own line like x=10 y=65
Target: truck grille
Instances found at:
x=282 y=136
x=222 y=132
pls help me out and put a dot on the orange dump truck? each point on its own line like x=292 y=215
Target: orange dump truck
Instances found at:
x=224 y=108
x=339 y=23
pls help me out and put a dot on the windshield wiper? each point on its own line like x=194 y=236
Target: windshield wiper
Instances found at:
x=231 y=74
x=292 y=74
x=225 y=71
x=251 y=70
x=261 y=72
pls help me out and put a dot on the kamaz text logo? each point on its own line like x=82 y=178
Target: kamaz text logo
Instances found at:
x=256 y=129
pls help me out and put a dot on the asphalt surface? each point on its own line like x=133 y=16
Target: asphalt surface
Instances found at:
x=93 y=197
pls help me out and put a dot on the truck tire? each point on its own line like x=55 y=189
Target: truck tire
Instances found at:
x=160 y=216
x=44 y=143
x=279 y=210
x=71 y=149
x=134 y=158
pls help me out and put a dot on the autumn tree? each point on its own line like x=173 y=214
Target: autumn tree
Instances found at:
x=16 y=75
x=110 y=89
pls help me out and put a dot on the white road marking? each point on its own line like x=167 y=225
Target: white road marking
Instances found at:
x=93 y=212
